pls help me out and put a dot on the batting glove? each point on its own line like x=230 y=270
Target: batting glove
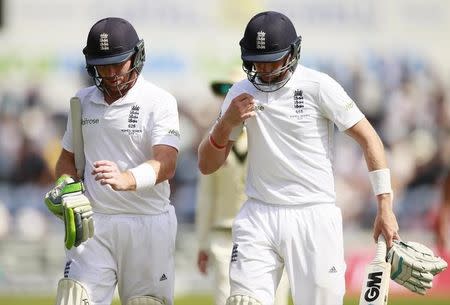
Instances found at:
x=413 y=265
x=68 y=202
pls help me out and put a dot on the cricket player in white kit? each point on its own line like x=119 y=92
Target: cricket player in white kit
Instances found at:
x=131 y=139
x=290 y=218
x=220 y=197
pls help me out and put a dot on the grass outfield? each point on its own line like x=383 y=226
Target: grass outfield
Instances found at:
x=207 y=300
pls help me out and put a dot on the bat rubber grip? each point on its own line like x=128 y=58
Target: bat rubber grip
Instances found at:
x=380 y=255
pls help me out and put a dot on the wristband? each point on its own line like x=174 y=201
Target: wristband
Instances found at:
x=144 y=175
x=380 y=180
x=214 y=144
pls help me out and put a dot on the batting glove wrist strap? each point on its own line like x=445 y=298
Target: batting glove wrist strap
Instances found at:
x=64 y=185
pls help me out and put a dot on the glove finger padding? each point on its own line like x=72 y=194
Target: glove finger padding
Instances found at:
x=417 y=256
x=413 y=288
x=425 y=276
x=70 y=231
x=83 y=222
x=431 y=262
x=78 y=218
x=402 y=274
x=413 y=265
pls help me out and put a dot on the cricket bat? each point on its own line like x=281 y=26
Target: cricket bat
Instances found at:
x=375 y=287
x=77 y=135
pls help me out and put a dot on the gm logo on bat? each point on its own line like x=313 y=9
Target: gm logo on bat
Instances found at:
x=373 y=286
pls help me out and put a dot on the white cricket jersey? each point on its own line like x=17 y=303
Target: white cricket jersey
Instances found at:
x=125 y=132
x=291 y=137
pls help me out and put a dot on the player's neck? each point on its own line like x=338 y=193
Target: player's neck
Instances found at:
x=109 y=99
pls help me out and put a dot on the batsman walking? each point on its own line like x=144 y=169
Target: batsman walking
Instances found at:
x=290 y=218
x=131 y=137
x=220 y=197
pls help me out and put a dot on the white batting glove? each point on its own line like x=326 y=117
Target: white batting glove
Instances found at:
x=414 y=265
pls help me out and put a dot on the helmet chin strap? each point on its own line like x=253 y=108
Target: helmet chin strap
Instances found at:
x=122 y=88
x=273 y=80
x=272 y=86
x=277 y=78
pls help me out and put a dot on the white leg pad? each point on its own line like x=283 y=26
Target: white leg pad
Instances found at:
x=145 y=300
x=71 y=292
x=242 y=300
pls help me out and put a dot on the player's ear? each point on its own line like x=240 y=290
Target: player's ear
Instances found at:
x=139 y=56
x=296 y=47
x=91 y=70
x=247 y=65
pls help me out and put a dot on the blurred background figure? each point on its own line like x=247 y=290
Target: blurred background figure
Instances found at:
x=443 y=216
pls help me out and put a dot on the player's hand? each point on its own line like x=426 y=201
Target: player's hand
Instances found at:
x=78 y=220
x=202 y=261
x=241 y=108
x=108 y=173
x=385 y=222
x=68 y=202
x=53 y=198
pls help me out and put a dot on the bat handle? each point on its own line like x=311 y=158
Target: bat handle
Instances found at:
x=380 y=255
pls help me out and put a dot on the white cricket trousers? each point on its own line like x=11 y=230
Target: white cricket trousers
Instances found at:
x=134 y=252
x=306 y=239
x=221 y=245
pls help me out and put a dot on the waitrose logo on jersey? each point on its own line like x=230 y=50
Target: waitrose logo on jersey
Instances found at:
x=88 y=121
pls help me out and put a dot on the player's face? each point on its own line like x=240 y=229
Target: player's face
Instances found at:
x=267 y=71
x=116 y=78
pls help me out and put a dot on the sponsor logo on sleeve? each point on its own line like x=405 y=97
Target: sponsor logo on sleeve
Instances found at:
x=174 y=132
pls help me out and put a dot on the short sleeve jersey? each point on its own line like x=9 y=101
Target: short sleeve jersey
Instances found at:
x=290 y=140
x=125 y=132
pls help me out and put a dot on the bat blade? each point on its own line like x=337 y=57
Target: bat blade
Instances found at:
x=375 y=288
x=77 y=135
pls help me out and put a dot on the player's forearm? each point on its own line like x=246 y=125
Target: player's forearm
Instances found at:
x=164 y=170
x=376 y=163
x=164 y=162
x=148 y=174
x=209 y=158
x=65 y=164
x=145 y=175
x=384 y=202
x=214 y=149
x=369 y=141
x=374 y=153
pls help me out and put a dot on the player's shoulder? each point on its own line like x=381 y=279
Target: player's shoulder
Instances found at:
x=88 y=94
x=242 y=86
x=305 y=73
x=154 y=92
x=322 y=81
x=152 y=97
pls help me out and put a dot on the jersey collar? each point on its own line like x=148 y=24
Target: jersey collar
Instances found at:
x=129 y=98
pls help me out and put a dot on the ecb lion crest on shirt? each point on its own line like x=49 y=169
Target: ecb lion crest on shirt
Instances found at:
x=299 y=106
x=133 y=117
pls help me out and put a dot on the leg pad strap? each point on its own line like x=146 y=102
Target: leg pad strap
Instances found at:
x=242 y=300
x=71 y=292
x=145 y=300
